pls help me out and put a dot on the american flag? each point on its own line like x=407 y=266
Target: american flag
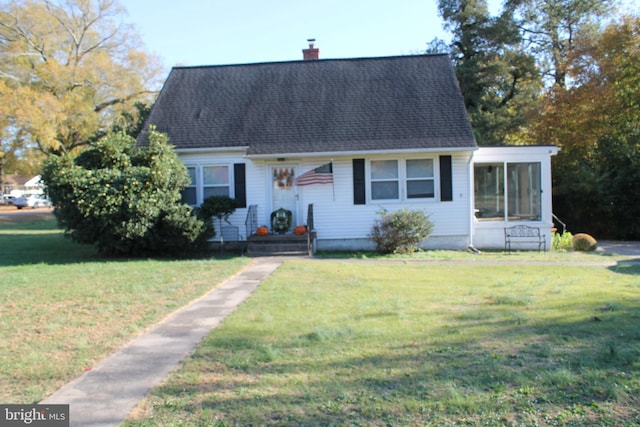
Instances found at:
x=320 y=175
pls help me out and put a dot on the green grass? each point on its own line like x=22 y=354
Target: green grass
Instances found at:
x=485 y=256
x=367 y=343
x=64 y=308
x=438 y=338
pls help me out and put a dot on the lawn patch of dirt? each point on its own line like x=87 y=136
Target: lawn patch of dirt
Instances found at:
x=9 y=214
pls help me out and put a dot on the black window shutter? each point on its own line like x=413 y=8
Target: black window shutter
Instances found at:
x=446 y=181
x=359 y=182
x=240 y=184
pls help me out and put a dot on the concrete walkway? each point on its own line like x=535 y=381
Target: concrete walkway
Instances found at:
x=106 y=395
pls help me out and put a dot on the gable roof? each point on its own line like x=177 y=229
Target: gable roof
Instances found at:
x=324 y=106
x=22 y=181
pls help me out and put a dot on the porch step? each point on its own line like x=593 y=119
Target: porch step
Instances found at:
x=278 y=244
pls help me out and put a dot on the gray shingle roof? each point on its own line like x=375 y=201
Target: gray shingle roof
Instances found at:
x=403 y=102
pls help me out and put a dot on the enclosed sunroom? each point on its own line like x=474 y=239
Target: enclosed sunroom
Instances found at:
x=511 y=186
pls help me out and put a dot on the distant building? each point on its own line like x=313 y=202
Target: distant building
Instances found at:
x=17 y=185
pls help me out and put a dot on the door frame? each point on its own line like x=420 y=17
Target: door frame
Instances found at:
x=294 y=188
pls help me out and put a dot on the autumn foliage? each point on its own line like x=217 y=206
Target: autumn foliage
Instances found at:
x=596 y=122
x=69 y=70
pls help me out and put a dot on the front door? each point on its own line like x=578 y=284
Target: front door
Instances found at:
x=283 y=192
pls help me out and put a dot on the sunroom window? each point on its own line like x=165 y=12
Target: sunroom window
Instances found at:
x=511 y=196
x=524 y=192
x=489 y=191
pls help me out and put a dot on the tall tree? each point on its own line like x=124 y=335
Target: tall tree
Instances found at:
x=499 y=83
x=596 y=121
x=550 y=29
x=69 y=69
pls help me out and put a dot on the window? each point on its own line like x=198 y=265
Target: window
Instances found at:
x=420 y=183
x=489 y=191
x=524 y=192
x=518 y=192
x=384 y=179
x=189 y=193
x=414 y=177
x=215 y=181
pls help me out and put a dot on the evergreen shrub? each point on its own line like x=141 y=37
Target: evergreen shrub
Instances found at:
x=125 y=199
x=400 y=231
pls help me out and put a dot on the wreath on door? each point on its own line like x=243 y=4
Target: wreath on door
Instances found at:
x=281 y=220
x=283 y=177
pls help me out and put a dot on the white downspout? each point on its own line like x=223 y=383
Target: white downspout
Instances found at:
x=472 y=204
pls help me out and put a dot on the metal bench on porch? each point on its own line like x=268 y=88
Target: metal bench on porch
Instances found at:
x=524 y=234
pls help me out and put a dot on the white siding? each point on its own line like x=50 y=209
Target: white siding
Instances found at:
x=224 y=158
x=337 y=219
x=340 y=223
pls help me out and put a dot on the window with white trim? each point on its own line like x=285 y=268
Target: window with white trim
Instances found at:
x=215 y=181
x=420 y=181
x=189 y=194
x=385 y=180
x=508 y=191
x=402 y=179
x=207 y=181
x=524 y=192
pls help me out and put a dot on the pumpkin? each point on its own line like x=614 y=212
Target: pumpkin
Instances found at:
x=299 y=230
x=262 y=231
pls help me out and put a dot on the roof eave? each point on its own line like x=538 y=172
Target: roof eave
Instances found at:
x=203 y=150
x=360 y=153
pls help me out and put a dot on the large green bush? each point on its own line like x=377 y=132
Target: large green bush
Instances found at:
x=400 y=231
x=125 y=199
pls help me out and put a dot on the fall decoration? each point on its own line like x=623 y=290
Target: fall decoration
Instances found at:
x=262 y=231
x=281 y=220
x=300 y=230
x=283 y=177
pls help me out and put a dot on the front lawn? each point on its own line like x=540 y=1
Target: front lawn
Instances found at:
x=456 y=343
x=63 y=308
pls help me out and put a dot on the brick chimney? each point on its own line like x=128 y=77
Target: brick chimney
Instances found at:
x=312 y=53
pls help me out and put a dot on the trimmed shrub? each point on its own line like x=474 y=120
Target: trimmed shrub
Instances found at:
x=584 y=242
x=220 y=207
x=400 y=231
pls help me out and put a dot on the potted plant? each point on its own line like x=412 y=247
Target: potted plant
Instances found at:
x=281 y=220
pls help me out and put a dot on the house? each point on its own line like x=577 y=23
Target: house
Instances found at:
x=393 y=132
x=17 y=185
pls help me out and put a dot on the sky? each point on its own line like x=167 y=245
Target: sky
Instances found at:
x=217 y=32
